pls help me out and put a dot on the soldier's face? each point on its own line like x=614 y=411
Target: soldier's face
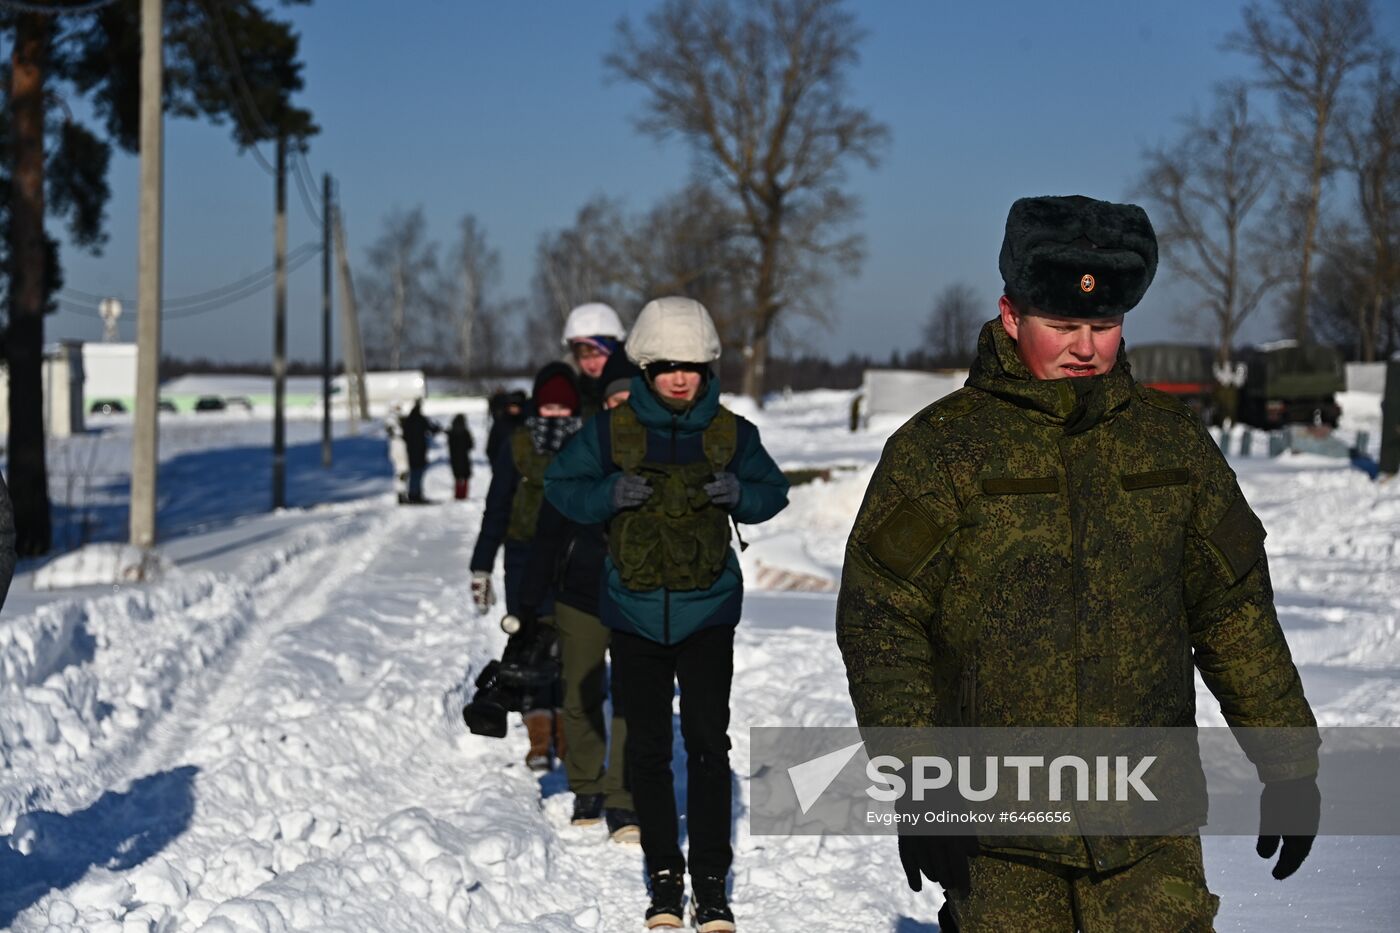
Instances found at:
x=1059 y=347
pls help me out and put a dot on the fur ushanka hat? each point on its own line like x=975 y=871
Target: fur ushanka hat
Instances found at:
x=1078 y=257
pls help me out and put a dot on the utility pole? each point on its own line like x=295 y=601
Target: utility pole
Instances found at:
x=144 y=447
x=279 y=338
x=326 y=321
x=350 y=331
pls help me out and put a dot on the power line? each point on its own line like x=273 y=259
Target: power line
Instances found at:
x=234 y=96
x=200 y=297
x=259 y=125
x=51 y=10
x=306 y=196
x=292 y=266
x=295 y=261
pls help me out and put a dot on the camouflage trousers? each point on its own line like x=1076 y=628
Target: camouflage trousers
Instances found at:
x=1163 y=892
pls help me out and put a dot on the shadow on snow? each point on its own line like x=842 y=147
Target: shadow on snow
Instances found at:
x=118 y=832
x=208 y=488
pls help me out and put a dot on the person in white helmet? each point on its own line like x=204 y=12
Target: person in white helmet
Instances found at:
x=592 y=333
x=666 y=473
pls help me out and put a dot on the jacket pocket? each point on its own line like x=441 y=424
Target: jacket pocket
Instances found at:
x=1017 y=486
x=1154 y=478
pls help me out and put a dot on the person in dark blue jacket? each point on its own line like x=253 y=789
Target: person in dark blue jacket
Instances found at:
x=668 y=473
x=512 y=511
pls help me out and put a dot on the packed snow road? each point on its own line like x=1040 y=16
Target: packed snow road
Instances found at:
x=316 y=774
x=270 y=738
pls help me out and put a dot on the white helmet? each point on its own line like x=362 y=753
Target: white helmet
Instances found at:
x=594 y=319
x=673 y=328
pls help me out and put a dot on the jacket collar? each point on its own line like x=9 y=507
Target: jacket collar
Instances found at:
x=1076 y=403
x=654 y=414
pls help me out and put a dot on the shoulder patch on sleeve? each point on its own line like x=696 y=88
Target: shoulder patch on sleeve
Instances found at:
x=906 y=540
x=1238 y=538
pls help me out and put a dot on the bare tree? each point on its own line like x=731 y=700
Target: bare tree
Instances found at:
x=1206 y=188
x=1372 y=137
x=401 y=295
x=580 y=263
x=950 y=333
x=690 y=243
x=1305 y=51
x=476 y=268
x=759 y=91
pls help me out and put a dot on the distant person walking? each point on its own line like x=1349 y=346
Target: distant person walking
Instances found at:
x=507 y=413
x=459 y=453
x=417 y=433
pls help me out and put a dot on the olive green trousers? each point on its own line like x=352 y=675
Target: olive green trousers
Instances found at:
x=592 y=767
x=1163 y=892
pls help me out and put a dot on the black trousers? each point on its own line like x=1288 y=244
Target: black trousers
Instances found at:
x=647 y=673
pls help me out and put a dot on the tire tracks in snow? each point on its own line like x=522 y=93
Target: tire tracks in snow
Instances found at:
x=136 y=687
x=209 y=701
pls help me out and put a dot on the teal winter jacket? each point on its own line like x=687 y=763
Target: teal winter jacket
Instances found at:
x=580 y=480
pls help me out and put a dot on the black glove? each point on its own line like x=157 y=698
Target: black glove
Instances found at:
x=724 y=491
x=1295 y=803
x=943 y=859
x=629 y=492
x=938 y=858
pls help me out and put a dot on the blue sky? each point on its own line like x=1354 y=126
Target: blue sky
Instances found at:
x=502 y=110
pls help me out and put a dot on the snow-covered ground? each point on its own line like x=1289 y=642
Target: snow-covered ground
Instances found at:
x=267 y=735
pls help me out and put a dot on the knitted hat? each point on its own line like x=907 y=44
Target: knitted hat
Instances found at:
x=555 y=384
x=558 y=391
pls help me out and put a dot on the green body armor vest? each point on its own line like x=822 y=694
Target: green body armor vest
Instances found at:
x=677 y=539
x=529 y=493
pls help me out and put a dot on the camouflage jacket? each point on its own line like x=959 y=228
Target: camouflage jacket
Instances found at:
x=1030 y=554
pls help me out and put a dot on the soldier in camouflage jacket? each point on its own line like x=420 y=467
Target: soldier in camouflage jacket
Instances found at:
x=1056 y=545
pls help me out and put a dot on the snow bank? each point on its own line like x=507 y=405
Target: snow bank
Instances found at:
x=100 y=564
x=83 y=681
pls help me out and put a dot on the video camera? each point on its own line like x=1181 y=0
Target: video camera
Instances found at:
x=527 y=670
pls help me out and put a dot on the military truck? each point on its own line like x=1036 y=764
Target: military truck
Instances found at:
x=1180 y=369
x=1292 y=383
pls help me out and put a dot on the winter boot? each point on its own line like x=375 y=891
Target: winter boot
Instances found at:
x=459 y=490
x=537 y=726
x=667 y=900
x=588 y=809
x=709 y=905
x=622 y=825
